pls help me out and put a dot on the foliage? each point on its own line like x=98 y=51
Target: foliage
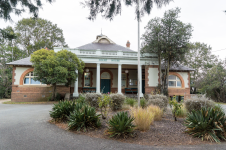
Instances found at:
x=143 y=102
x=200 y=59
x=121 y=125
x=52 y=68
x=117 y=101
x=17 y=7
x=176 y=108
x=34 y=34
x=62 y=110
x=81 y=99
x=103 y=104
x=92 y=99
x=111 y=8
x=143 y=118
x=196 y=103
x=158 y=113
x=207 y=124
x=158 y=100
x=213 y=83
x=182 y=112
x=8 y=52
x=83 y=118
x=169 y=38
x=130 y=101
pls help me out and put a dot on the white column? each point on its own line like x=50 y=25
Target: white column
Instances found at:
x=140 y=70
x=98 y=79
x=75 y=94
x=119 y=78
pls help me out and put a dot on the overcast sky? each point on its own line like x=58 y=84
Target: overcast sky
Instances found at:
x=206 y=16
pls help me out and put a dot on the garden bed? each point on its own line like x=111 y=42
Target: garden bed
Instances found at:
x=166 y=132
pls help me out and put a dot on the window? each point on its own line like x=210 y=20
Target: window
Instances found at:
x=87 y=79
x=29 y=79
x=174 y=81
x=124 y=79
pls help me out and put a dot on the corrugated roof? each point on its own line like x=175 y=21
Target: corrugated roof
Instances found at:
x=177 y=68
x=24 y=61
x=105 y=47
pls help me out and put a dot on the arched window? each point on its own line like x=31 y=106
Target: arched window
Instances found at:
x=174 y=81
x=29 y=79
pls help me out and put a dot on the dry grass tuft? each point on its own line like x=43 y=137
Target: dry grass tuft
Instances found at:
x=143 y=118
x=156 y=111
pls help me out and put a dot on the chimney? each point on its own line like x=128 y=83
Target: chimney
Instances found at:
x=128 y=44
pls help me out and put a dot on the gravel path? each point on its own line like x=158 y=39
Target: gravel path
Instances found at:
x=25 y=127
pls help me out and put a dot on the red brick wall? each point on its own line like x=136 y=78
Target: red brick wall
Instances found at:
x=35 y=93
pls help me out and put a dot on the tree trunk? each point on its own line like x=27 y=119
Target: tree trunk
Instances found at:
x=160 y=73
x=54 y=92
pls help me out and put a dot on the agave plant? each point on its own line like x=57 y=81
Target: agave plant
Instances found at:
x=121 y=125
x=62 y=110
x=83 y=117
x=207 y=123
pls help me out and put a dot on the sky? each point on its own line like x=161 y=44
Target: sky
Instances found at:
x=206 y=17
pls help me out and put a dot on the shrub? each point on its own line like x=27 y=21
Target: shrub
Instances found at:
x=182 y=112
x=58 y=97
x=219 y=108
x=158 y=113
x=103 y=104
x=176 y=107
x=158 y=100
x=92 y=99
x=121 y=125
x=143 y=118
x=84 y=117
x=206 y=123
x=117 y=101
x=143 y=103
x=81 y=98
x=130 y=101
x=197 y=103
x=62 y=110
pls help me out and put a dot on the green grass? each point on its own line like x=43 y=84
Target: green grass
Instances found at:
x=9 y=102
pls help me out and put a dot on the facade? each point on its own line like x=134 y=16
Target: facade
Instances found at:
x=108 y=68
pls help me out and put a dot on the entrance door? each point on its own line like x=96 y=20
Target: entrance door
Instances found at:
x=143 y=86
x=105 y=83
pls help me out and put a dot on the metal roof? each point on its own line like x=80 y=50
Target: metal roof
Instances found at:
x=24 y=61
x=104 y=47
x=177 y=68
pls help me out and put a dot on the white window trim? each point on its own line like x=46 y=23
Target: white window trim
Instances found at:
x=177 y=79
x=30 y=77
x=85 y=79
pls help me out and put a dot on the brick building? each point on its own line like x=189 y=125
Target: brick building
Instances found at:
x=108 y=68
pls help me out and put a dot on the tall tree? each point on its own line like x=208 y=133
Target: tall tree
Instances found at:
x=8 y=7
x=34 y=34
x=110 y=8
x=170 y=40
x=52 y=68
x=214 y=82
x=199 y=58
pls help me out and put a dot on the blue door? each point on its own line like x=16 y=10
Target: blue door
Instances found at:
x=105 y=85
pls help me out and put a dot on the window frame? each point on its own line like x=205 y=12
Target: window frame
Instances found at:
x=177 y=79
x=30 y=76
x=85 y=79
x=126 y=80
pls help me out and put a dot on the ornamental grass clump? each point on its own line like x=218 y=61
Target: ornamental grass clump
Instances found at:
x=92 y=99
x=84 y=117
x=158 y=100
x=130 y=101
x=121 y=125
x=182 y=112
x=197 y=103
x=207 y=124
x=117 y=101
x=158 y=113
x=62 y=110
x=143 y=118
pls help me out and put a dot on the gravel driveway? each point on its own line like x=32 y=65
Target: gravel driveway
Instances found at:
x=25 y=127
